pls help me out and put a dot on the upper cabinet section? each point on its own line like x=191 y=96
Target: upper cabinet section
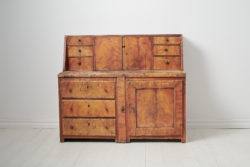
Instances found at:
x=123 y=52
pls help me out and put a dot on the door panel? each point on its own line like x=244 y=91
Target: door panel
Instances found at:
x=154 y=108
x=137 y=53
x=108 y=53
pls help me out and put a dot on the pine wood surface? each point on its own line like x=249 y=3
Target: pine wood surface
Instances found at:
x=123 y=87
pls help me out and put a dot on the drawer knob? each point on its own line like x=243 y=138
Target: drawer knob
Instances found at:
x=166 y=49
x=88 y=124
x=88 y=105
x=106 y=109
x=71 y=127
x=133 y=110
x=167 y=40
x=70 y=90
x=167 y=62
x=80 y=50
x=79 y=63
x=123 y=109
x=79 y=40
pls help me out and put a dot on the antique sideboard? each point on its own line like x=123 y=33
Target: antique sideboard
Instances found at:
x=122 y=87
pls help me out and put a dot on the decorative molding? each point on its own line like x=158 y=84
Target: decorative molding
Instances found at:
x=213 y=124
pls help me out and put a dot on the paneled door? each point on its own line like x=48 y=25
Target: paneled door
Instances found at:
x=154 y=107
x=137 y=53
x=108 y=53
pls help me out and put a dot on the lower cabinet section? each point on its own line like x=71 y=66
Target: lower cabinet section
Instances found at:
x=122 y=108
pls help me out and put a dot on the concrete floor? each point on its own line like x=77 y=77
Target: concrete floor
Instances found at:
x=204 y=148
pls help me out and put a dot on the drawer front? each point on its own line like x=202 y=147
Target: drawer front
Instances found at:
x=88 y=108
x=80 y=64
x=166 y=50
x=87 y=89
x=167 y=63
x=78 y=51
x=166 y=40
x=79 y=40
x=88 y=127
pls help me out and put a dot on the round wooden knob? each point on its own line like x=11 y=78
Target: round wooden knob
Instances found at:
x=167 y=62
x=71 y=127
x=79 y=63
x=70 y=90
x=80 y=50
x=166 y=49
x=79 y=40
x=167 y=40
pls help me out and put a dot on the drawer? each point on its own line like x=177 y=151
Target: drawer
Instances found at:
x=78 y=51
x=80 y=64
x=82 y=88
x=166 y=50
x=88 y=108
x=88 y=127
x=166 y=40
x=167 y=63
x=80 y=40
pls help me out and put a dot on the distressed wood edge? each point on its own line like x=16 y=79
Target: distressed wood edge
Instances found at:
x=120 y=110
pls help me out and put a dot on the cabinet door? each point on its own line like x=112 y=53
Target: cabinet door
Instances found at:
x=154 y=107
x=108 y=53
x=137 y=53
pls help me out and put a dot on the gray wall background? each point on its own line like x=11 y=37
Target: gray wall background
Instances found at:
x=216 y=52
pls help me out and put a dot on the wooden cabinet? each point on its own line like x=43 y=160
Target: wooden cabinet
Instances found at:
x=122 y=87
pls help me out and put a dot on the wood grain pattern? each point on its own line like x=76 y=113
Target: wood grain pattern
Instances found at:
x=167 y=63
x=155 y=108
x=87 y=89
x=79 y=51
x=88 y=108
x=88 y=127
x=80 y=64
x=137 y=54
x=121 y=111
x=108 y=53
x=166 y=50
x=79 y=40
x=167 y=40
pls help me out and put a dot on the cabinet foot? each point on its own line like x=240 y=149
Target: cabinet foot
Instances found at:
x=183 y=140
x=61 y=139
